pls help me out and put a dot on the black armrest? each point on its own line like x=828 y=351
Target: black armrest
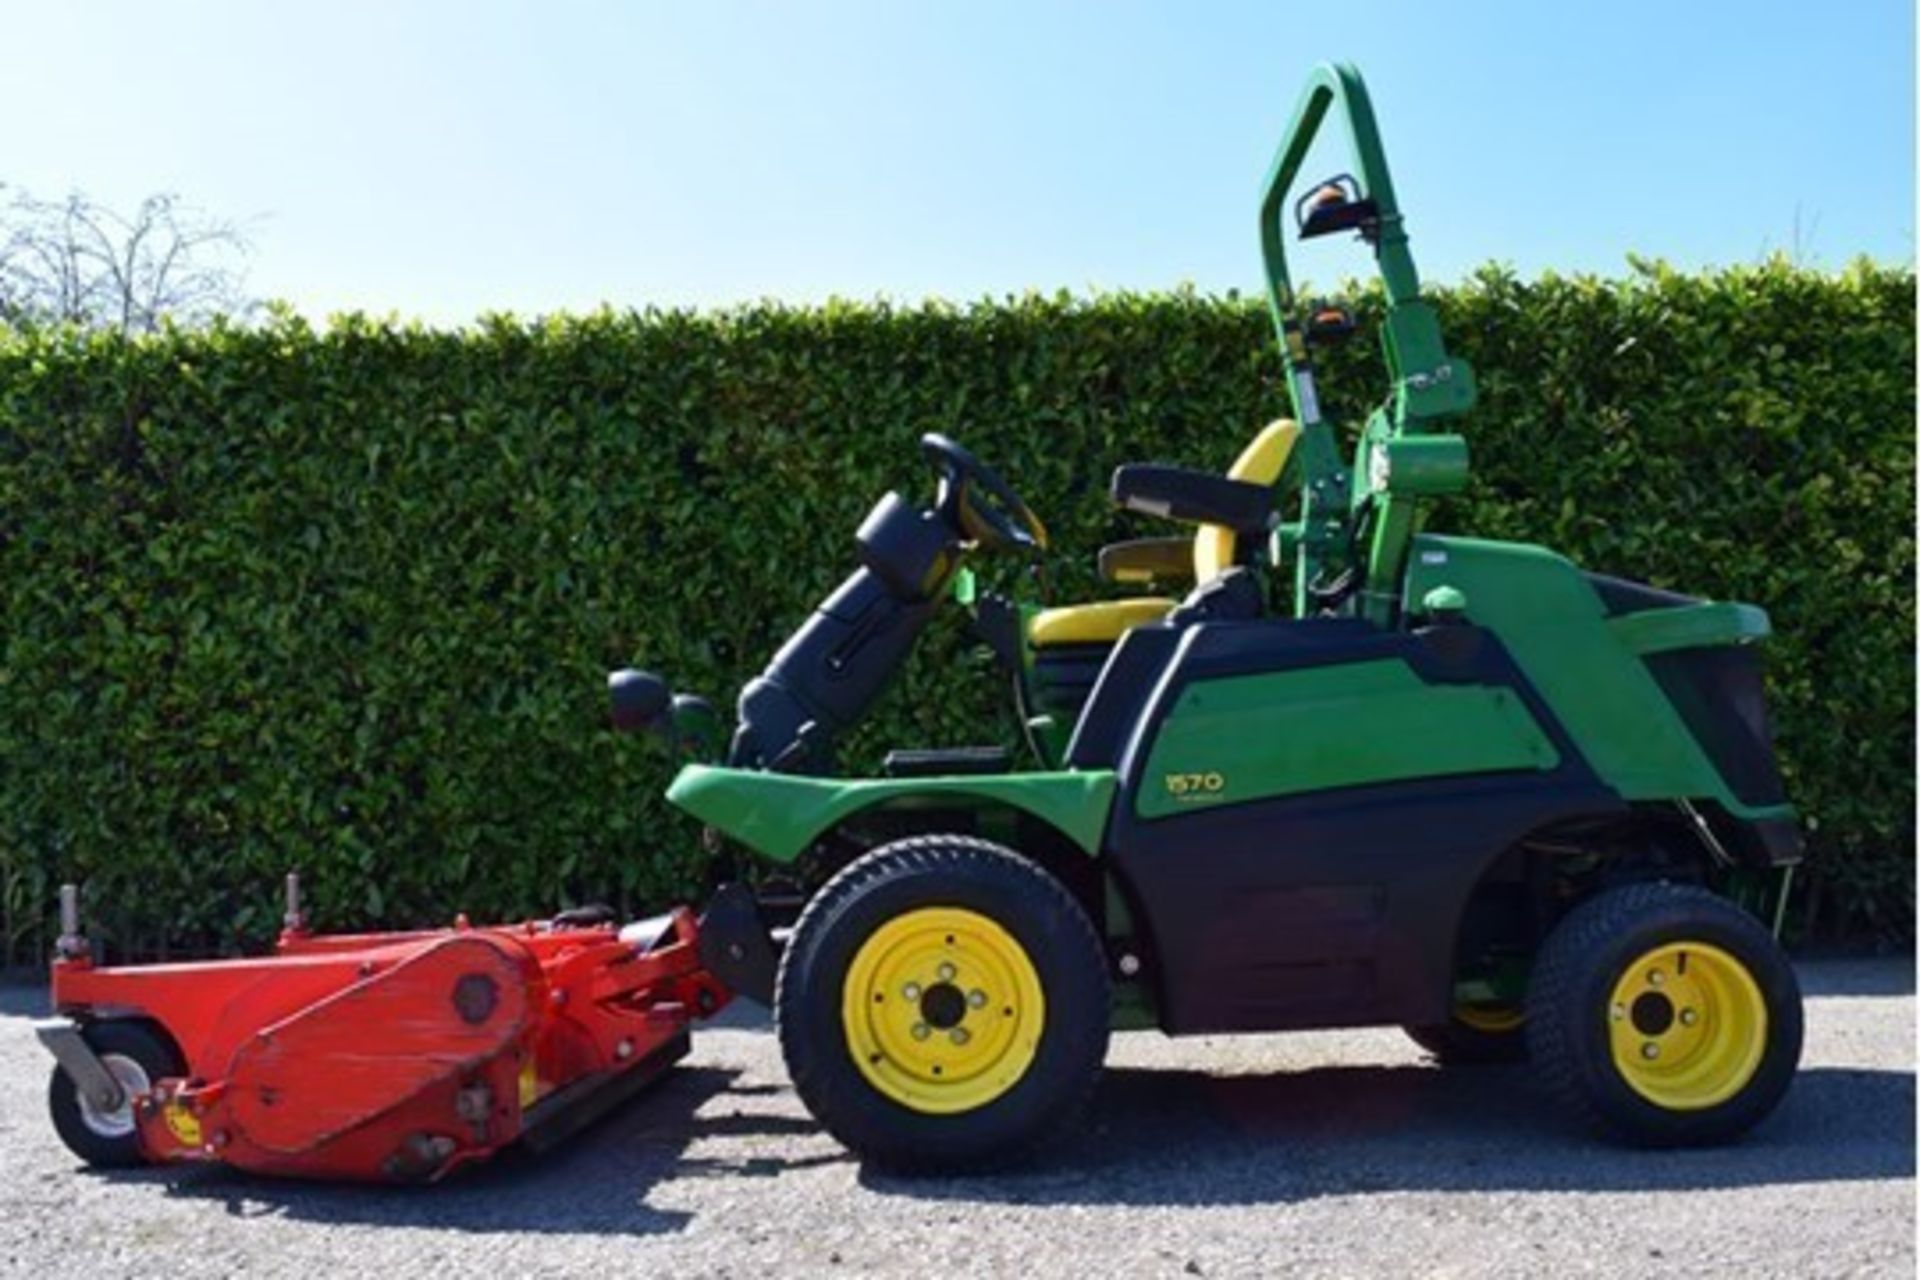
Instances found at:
x=1197 y=497
x=1147 y=560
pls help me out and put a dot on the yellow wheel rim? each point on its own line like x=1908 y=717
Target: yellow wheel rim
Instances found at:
x=1688 y=1026
x=1492 y=1019
x=942 y=1010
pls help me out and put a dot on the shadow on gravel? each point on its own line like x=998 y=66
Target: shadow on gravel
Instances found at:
x=1188 y=1138
x=596 y=1185
x=1857 y=977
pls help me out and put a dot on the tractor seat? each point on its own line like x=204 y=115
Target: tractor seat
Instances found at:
x=1215 y=548
x=1101 y=622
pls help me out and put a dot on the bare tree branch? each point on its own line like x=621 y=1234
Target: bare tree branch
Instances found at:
x=76 y=261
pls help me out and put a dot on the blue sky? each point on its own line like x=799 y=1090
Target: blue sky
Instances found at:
x=445 y=159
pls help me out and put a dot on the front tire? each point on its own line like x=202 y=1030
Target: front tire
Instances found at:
x=1663 y=1015
x=943 y=1005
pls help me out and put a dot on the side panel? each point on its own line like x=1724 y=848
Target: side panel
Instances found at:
x=779 y=815
x=1340 y=905
x=1242 y=738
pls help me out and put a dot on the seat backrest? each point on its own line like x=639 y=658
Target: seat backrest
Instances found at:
x=1261 y=462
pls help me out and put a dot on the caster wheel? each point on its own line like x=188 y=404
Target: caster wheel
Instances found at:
x=136 y=1054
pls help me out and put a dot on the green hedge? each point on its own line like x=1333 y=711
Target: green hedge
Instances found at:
x=343 y=600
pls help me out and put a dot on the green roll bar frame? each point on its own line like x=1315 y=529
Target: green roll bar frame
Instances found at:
x=1428 y=384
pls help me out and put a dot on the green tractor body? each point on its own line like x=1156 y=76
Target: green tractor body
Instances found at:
x=1328 y=794
x=1357 y=773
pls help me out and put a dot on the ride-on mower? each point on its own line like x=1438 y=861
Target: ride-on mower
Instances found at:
x=1352 y=773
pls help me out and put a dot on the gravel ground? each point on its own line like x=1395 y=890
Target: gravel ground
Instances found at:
x=1334 y=1153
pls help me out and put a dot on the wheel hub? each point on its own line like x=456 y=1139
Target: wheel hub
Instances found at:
x=1652 y=1014
x=1687 y=1025
x=943 y=1006
x=115 y=1122
x=942 y=1010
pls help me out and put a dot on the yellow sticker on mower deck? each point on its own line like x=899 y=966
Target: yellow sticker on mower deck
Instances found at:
x=529 y=1085
x=183 y=1124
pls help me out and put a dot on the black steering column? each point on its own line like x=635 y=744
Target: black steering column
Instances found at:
x=829 y=673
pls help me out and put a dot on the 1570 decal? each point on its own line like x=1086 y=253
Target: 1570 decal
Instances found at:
x=1196 y=786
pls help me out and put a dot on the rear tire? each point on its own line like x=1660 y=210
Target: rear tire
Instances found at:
x=1663 y=1015
x=138 y=1055
x=943 y=1005
x=1475 y=1038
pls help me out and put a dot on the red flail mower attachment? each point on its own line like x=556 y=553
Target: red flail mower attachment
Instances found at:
x=378 y=1056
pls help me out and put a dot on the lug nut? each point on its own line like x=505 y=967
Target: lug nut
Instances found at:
x=911 y=991
x=1619 y=1012
x=959 y=1035
x=1656 y=978
x=1649 y=1050
x=921 y=1031
x=977 y=999
x=946 y=972
x=1688 y=1017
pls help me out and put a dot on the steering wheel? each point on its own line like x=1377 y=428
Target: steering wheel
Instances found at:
x=975 y=500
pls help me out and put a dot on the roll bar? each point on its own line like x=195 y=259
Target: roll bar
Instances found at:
x=1427 y=383
x=1333 y=82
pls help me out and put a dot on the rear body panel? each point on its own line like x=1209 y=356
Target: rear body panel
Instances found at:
x=1590 y=663
x=1334 y=901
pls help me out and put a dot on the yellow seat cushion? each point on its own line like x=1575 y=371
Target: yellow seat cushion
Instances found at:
x=1102 y=622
